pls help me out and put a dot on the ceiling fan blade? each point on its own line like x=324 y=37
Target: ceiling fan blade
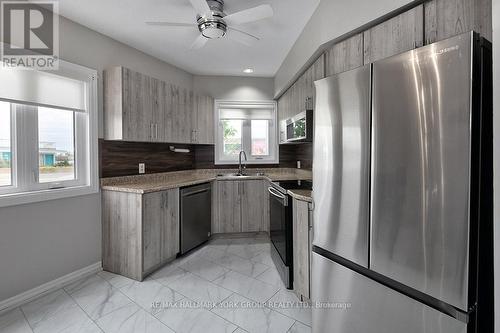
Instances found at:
x=199 y=42
x=171 y=24
x=249 y=15
x=241 y=36
x=201 y=6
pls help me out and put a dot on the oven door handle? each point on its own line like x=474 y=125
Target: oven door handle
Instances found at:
x=279 y=195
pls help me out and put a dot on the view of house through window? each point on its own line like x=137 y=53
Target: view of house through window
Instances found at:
x=56 y=145
x=260 y=137
x=5 y=145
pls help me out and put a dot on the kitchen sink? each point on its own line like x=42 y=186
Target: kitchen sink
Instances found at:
x=237 y=174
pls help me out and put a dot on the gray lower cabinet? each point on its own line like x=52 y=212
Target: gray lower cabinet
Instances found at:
x=302 y=240
x=241 y=206
x=229 y=207
x=140 y=231
x=396 y=35
x=252 y=206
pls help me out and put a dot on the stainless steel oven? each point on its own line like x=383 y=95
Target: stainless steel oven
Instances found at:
x=297 y=129
x=281 y=226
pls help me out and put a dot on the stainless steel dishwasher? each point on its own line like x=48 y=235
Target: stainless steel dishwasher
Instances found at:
x=196 y=215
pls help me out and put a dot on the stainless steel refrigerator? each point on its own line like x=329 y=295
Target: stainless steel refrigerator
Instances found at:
x=402 y=192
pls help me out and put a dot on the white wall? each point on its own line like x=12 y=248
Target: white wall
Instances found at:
x=235 y=87
x=331 y=20
x=40 y=242
x=496 y=156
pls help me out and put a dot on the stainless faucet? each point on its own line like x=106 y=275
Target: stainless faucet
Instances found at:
x=240 y=168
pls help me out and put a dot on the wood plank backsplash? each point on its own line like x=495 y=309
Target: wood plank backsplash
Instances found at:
x=288 y=157
x=120 y=158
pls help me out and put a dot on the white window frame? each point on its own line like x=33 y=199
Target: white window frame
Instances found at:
x=25 y=187
x=246 y=133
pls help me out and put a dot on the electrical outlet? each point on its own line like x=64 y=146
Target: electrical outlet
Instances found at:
x=142 y=168
x=298 y=164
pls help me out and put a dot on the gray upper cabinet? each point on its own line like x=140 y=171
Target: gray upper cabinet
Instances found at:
x=283 y=105
x=344 y=56
x=183 y=116
x=204 y=122
x=447 y=18
x=306 y=82
x=399 y=34
x=165 y=103
x=141 y=108
x=157 y=112
x=128 y=105
x=252 y=205
x=293 y=101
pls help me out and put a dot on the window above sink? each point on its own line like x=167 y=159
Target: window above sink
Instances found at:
x=247 y=126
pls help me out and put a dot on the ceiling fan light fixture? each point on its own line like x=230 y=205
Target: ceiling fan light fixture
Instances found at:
x=212 y=28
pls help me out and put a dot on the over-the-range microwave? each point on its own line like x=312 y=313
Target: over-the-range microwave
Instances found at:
x=297 y=129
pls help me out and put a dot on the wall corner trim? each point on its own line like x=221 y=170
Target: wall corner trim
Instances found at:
x=23 y=298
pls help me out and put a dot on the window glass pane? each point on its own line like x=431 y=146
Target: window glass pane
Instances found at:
x=260 y=137
x=232 y=137
x=5 y=145
x=56 y=145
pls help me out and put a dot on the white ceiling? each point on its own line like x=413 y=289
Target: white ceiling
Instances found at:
x=124 y=20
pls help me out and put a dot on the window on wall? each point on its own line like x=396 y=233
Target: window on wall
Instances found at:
x=48 y=134
x=247 y=126
x=56 y=145
x=5 y=145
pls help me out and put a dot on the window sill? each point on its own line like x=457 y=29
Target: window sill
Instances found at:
x=14 y=199
x=247 y=163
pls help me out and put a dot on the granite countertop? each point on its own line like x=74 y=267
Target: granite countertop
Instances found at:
x=304 y=195
x=168 y=180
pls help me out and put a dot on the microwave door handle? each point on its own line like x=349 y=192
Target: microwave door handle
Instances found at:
x=278 y=195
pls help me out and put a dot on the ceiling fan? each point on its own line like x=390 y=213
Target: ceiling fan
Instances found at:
x=213 y=23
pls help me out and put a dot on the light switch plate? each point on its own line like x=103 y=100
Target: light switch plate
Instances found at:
x=142 y=168
x=298 y=164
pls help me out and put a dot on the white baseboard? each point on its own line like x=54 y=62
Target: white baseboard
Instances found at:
x=25 y=297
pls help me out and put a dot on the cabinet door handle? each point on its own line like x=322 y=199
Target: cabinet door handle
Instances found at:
x=156 y=131
x=151 y=131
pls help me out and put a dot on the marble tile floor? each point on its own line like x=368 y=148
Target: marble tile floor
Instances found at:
x=227 y=285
